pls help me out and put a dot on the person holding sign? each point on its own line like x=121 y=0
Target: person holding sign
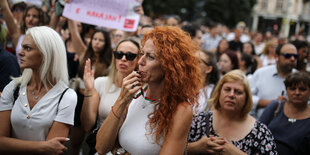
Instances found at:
x=152 y=115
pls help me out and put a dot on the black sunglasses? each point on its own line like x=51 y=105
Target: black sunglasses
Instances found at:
x=288 y=55
x=129 y=56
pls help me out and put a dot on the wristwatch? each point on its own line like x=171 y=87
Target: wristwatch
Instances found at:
x=120 y=151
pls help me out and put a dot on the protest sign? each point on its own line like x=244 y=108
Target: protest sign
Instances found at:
x=117 y=14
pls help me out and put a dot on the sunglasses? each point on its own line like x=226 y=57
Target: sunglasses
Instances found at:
x=129 y=56
x=288 y=55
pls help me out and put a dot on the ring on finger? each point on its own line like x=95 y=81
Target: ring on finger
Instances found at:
x=132 y=86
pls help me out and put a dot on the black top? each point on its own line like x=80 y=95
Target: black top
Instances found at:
x=8 y=67
x=291 y=138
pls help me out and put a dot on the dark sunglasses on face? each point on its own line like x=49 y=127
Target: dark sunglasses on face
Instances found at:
x=288 y=55
x=129 y=56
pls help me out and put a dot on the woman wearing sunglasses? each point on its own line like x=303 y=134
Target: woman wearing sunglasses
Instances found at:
x=155 y=118
x=101 y=94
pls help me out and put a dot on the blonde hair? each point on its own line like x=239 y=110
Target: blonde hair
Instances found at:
x=54 y=63
x=112 y=68
x=233 y=76
x=268 y=44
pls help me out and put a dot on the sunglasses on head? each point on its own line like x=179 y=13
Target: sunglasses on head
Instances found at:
x=129 y=56
x=288 y=55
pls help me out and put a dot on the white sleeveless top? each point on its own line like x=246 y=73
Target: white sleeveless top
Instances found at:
x=134 y=135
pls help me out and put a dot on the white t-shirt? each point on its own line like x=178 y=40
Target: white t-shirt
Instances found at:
x=204 y=96
x=266 y=61
x=107 y=99
x=34 y=124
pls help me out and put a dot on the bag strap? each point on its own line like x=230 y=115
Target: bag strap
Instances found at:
x=62 y=94
x=277 y=109
x=16 y=91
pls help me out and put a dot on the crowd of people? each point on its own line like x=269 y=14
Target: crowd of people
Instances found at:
x=171 y=87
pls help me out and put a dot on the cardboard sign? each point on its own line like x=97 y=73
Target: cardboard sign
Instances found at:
x=116 y=14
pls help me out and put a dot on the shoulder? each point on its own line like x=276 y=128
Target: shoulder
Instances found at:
x=101 y=79
x=184 y=109
x=70 y=94
x=183 y=113
x=265 y=70
x=67 y=94
x=262 y=129
x=7 y=97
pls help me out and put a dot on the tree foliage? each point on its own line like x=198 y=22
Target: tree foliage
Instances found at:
x=228 y=12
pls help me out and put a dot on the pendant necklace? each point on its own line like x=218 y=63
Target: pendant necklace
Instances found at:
x=34 y=96
x=291 y=119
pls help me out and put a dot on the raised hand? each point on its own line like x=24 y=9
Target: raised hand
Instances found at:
x=3 y=3
x=88 y=76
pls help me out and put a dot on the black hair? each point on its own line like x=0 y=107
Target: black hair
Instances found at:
x=299 y=44
x=297 y=78
x=214 y=76
x=191 y=29
x=252 y=46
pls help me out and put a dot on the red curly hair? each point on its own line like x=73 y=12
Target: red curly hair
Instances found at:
x=175 y=52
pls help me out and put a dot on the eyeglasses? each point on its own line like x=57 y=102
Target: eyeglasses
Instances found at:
x=18 y=9
x=204 y=62
x=129 y=56
x=288 y=55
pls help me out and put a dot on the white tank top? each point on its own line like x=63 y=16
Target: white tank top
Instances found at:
x=133 y=135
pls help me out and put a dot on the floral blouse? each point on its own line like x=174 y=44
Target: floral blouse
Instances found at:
x=258 y=141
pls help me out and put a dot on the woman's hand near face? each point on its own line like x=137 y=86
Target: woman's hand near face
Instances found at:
x=130 y=86
x=88 y=76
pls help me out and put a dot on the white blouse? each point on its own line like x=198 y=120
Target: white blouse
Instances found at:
x=34 y=124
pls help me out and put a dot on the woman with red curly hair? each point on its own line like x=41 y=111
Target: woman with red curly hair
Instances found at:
x=158 y=119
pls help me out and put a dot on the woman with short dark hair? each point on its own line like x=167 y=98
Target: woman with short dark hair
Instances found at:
x=289 y=120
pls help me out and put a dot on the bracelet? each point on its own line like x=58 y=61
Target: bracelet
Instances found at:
x=114 y=113
x=88 y=95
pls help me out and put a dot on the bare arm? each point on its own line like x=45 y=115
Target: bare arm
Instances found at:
x=9 y=19
x=77 y=41
x=54 y=21
x=91 y=99
x=108 y=131
x=176 y=139
x=263 y=103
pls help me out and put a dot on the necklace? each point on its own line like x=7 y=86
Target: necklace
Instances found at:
x=291 y=119
x=35 y=97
